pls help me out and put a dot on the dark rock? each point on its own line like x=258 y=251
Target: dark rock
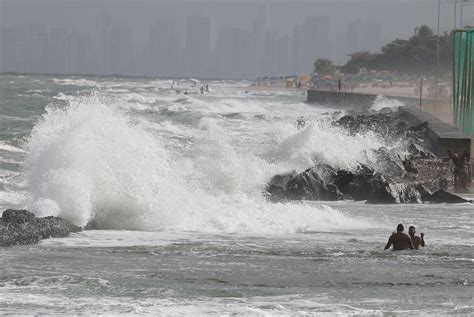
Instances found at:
x=390 y=179
x=425 y=194
x=363 y=122
x=277 y=185
x=54 y=227
x=307 y=185
x=406 y=194
x=388 y=162
x=343 y=179
x=17 y=216
x=383 y=195
x=409 y=167
x=402 y=126
x=282 y=180
x=347 y=121
x=419 y=128
x=366 y=183
x=332 y=193
x=417 y=151
x=315 y=183
x=442 y=196
x=22 y=227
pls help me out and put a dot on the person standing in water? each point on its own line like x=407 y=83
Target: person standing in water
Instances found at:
x=417 y=241
x=400 y=240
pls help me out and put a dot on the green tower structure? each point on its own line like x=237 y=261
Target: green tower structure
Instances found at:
x=463 y=80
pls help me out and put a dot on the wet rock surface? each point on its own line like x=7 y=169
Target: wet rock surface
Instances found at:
x=19 y=227
x=407 y=174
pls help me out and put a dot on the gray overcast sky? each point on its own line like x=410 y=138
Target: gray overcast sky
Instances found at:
x=102 y=22
x=398 y=17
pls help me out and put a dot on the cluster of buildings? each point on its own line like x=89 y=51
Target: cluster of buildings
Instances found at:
x=195 y=48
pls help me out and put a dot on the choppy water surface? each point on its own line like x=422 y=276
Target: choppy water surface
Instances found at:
x=175 y=184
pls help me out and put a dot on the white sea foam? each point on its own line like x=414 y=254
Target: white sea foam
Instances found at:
x=10 y=148
x=90 y=162
x=382 y=102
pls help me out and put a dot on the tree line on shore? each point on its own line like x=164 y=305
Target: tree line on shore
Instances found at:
x=415 y=55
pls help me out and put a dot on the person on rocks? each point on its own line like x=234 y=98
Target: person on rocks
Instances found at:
x=466 y=157
x=399 y=240
x=417 y=240
x=454 y=157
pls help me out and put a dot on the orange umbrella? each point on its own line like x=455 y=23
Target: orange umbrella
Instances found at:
x=305 y=77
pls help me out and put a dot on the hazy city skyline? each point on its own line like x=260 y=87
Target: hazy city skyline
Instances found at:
x=225 y=39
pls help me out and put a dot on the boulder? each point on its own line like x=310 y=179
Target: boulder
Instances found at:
x=22 y=227
x=276 y=186
x=315 y=183
x=442 y=196
x=17 y=216
x=406 y=194
x=425 y=193
x=366 y=183
x=409 y=166
x=383 y=195
x=420 y=127
x=417 y=151
x=309 y=185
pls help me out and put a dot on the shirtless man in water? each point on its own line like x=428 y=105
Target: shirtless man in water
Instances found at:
x=400 y=240
x=417 y=241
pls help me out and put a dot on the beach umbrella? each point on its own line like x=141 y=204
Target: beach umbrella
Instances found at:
x=305 y=77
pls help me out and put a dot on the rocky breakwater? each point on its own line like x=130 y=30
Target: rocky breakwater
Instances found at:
x=22 y=227
x=407 y=173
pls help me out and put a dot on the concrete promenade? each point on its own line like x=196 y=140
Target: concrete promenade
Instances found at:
x=437 y=113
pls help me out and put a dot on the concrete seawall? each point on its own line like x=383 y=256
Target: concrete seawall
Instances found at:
x=442 y=136
x=340 y=99
x=359 y=100
x=437 y=113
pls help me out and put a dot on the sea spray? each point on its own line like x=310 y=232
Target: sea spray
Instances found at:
x=92 y=161
x=382 y=102
x=320 y=141
x=88 y=162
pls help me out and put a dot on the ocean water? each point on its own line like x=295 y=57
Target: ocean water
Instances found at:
x=175 y=186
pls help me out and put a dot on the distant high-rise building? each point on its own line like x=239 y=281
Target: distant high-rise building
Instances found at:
x=234 y=53
x=2 y=37
x=315 y=44
x=121 y=59
x=197 y=46
x=296 y=50
x=103 y=43
x=283 y=55
x=161 y=51
x=1 y=50
x=363 y=36
x=261 y=28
